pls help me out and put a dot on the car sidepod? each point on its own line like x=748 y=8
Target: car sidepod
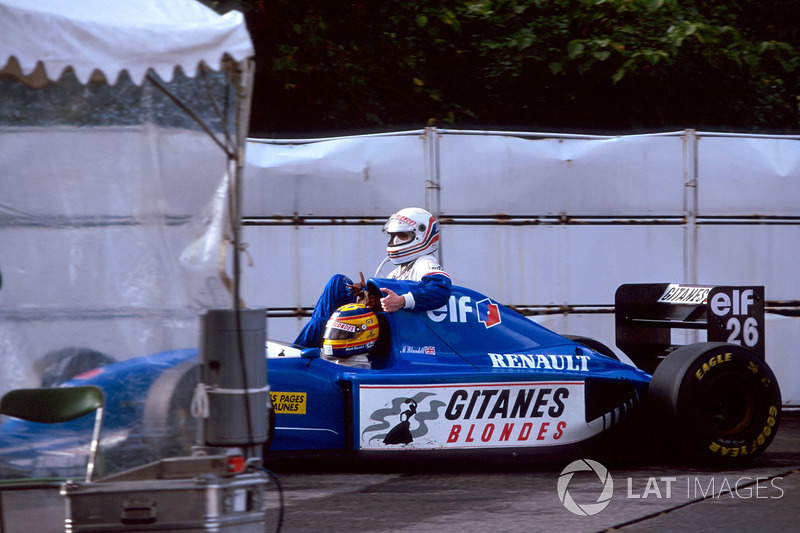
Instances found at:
x=488 y=411
x=471 y=377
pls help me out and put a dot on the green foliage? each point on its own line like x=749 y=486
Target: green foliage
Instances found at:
x=548 y=65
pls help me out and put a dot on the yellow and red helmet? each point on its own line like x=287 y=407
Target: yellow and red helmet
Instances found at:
x=351 y=330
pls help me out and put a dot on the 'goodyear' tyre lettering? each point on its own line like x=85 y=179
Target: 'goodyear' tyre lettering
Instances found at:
x=735 y=451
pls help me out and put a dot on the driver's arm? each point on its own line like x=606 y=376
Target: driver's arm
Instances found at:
x=433 y=293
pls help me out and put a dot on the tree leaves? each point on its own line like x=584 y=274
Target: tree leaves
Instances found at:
x=537 y=64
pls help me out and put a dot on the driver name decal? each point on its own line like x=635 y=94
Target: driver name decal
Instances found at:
x=472 y=415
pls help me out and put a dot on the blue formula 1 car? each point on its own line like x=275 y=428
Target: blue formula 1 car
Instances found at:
x=471 y=378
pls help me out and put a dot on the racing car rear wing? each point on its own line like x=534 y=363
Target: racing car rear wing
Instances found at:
x=646 y=314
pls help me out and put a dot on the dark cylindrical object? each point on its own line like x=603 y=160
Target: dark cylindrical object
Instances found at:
x=233 y=371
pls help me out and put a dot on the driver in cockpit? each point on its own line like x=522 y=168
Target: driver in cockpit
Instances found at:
x=413 y=239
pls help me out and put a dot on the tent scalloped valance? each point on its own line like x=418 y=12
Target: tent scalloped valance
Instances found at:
x=40 y=39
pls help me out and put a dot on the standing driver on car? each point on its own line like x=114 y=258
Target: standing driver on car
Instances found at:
x=413 y=239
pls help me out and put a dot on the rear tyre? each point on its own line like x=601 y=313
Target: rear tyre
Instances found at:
x=60 y=366
x=720 y=403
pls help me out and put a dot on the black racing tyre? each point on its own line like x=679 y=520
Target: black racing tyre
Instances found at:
x=593 y=344
x=169 y=427
x=60 y=366
x=720 y=403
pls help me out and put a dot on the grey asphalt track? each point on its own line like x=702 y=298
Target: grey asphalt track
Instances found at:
x=764 y=496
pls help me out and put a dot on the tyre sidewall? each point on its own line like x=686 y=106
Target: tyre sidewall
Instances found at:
x=59 y=366
x=715 y=377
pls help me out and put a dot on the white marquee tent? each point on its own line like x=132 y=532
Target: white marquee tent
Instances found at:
x=122 y=134
x=42 y=38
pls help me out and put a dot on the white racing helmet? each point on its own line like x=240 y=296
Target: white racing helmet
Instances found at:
x=413 y=232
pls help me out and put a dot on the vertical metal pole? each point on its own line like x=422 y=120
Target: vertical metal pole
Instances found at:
x=433 y=180
x=690 y=182
x=690 y=206
x=242 y=77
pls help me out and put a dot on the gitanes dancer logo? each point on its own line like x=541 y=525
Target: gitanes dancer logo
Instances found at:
x=397 y=419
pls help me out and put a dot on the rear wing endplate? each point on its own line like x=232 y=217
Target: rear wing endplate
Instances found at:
x=646 y=313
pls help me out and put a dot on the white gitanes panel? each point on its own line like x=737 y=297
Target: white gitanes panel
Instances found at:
x=607 y=181
x=751 y=255
x=739 y=176
x=290 y=265
x=555 y=265
x=348 y=177
x=619 y=176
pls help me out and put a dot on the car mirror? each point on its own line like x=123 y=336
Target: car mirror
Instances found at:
x=310 y=353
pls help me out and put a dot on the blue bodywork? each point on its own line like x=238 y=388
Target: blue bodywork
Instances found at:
x=472 y=375
x=467 y=376
x=29 y=449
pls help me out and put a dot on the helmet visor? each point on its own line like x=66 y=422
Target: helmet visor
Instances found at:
x=336 y=330
x=400 y=237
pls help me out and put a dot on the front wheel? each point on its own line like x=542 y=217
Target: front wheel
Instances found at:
x=720 y=402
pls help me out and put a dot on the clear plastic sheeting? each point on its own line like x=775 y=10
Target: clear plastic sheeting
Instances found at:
x=113 y=220
x=122 y=129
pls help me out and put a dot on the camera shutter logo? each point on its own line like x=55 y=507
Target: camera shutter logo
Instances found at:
x=586 y=509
